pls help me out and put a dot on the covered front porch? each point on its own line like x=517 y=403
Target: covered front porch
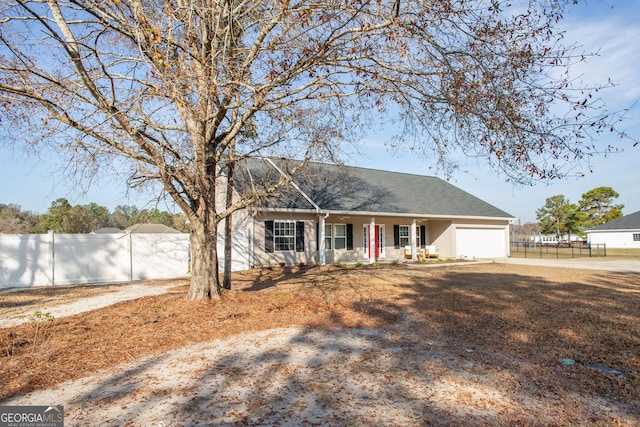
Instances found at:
x=370 y=239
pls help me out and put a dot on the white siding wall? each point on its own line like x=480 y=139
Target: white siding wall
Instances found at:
x=614 y=239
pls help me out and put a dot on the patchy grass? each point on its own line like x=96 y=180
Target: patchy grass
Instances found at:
x=514 y=323
x=618 y=253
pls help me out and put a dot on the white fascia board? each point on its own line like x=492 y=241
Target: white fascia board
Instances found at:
x=383 y=214
x=413 y=215
x=421 y=216
x=616 y=230
x=285 y=210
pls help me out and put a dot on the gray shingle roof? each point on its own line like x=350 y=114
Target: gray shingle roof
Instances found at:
x=627 y=222
x=353 y=189
x=107 y=230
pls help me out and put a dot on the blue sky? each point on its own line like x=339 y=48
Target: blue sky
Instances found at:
x=611 y=27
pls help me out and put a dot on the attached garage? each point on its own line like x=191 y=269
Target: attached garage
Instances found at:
x=481 y=242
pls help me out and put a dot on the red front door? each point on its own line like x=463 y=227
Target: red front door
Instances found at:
x=377 y=241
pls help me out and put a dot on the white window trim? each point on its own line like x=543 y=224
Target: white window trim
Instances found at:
x=418 y=242
x=405 y=240
x=330 y=239
x=365 y=238
x=275 y=237
x=336 y=237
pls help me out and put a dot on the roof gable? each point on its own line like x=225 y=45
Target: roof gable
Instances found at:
x=353 y=189
x=627 y=222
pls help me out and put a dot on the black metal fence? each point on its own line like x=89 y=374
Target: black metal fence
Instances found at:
x=558 y=250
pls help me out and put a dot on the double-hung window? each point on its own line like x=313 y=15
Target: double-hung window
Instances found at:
x=335 y=236
x=340 y=236
x=636 y=237
x=284 y=235
x=328 y=237
x=405 y=236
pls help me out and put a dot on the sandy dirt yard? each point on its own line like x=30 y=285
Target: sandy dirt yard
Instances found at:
x=474 y=344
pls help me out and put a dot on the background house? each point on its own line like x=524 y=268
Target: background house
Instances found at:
x=149 y=229
x=332 y=213
x=106 y=230
x=621 y=233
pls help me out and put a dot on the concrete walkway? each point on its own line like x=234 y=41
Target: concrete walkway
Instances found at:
x=622 y=266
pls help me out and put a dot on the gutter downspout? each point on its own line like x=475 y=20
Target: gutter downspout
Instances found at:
x=322 y=256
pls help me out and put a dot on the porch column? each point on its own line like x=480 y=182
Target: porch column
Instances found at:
x=413 y=240
x=322 y=254
x=372 y=240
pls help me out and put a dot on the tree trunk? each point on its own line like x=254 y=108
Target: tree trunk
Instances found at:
x=205 y=283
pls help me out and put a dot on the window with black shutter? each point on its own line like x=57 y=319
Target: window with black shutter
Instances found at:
x=349 y=237
x=283 y=236
x=396 y=236
x=299 y=236
x=268 y=236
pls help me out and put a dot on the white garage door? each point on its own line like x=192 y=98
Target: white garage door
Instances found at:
x=481 y=243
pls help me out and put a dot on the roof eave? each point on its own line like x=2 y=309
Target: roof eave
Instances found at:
x=374 y=214
x=422 y=216
x=609 y=230
x=285 y=210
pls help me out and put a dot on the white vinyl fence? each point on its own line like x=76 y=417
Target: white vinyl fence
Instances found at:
x=63 y=259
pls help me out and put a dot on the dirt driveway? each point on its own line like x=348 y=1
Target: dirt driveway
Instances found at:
x=472 y=345
x=75 y=300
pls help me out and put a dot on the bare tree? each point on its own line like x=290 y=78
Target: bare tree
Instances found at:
x=14 y=220
x=169 y=87
x=524 y=232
